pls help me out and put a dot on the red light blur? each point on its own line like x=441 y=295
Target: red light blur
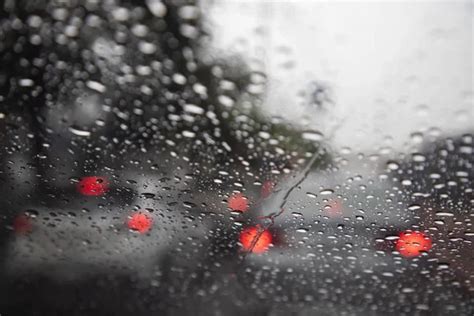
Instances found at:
x=140 y=222
x=267 y=189
x=412 y=244
x=22 y=224
x=93 y=186
x=334 y=208
x=248 y=235
x=238 y=202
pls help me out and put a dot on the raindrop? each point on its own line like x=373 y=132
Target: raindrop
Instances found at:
x=97 y=86
x=326 y=192
x=312 y=136
x=188 y=12
x=193 y=109
x=188 y=134
x=79 y=132
x=26 y=82
x=416 y=138
x=147 y=47
x=414 y=207
x=444 y=214
x=156 y=7
x=226 y=101
x=121 y=14
x=418 y=157
x=443 y=266
x=392 y=165
x=264 y=135
x=147 y=195
x=311 y=195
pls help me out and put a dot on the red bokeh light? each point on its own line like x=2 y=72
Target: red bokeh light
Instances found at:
x=412 y=244
x=333 y=208
x=267 y=189
x=22 y=224
x=238 y=202
x=93 y=186
x=248 y=235
x=140 y=222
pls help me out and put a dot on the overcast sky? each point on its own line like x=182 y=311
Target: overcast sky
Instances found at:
x=394 y=68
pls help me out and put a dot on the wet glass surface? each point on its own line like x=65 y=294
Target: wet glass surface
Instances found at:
x=236 y=157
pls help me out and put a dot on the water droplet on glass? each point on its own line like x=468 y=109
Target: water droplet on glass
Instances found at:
x=312 y=136
x=156 y=7
x=414 y=207
x=97 y=86
x=79 y=132
x=311 y=195
x=326 y=192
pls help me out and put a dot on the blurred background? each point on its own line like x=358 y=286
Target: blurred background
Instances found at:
x=175 y=157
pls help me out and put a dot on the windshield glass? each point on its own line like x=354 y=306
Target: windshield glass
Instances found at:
x=227 y=157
